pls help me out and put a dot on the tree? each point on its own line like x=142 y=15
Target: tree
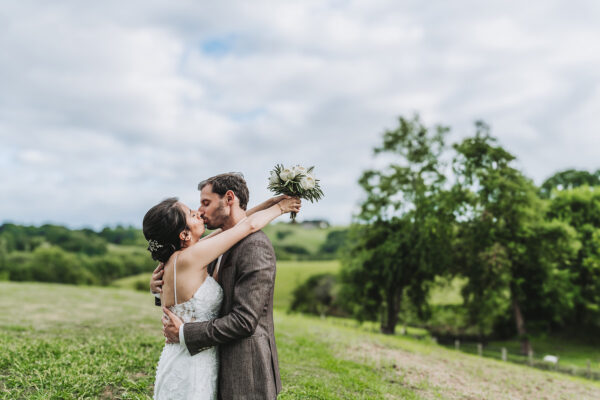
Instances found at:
x=76 y=241
x=569 y=179
x=401 y=238
x=513 y=258
x=580 y=208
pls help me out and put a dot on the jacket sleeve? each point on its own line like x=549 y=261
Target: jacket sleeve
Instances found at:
x=254 y=282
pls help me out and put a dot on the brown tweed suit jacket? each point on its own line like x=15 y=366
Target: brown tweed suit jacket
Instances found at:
x=249 y=367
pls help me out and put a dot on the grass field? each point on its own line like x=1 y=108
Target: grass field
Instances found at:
x=289 y=275
x=68 y=342
x=282 y=234
x=573 y=355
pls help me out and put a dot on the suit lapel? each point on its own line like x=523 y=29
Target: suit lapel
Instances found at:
x=224 y=261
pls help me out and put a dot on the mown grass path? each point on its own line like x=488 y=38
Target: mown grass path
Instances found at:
x=66 y=342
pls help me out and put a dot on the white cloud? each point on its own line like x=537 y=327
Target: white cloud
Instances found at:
x=107 y=108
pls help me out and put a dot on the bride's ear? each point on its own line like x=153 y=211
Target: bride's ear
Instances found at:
x=184 y=235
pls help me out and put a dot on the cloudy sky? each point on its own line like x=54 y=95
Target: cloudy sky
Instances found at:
x=108 y=107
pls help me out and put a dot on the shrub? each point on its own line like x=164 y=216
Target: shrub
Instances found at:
x=141 y=285
x=334 y=242
x=53 y=264
x=318 y=295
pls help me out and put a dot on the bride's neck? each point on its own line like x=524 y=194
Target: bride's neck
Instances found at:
x=237 y=214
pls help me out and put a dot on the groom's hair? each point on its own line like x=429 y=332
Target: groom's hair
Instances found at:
x=233 y=181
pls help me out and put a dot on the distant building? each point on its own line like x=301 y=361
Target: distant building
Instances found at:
x=315 y=224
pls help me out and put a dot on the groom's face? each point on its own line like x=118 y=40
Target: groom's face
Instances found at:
x=213 y=208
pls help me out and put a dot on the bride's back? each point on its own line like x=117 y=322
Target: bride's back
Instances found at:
x=189 y=279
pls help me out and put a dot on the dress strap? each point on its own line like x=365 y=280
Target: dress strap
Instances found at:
x=175 y=277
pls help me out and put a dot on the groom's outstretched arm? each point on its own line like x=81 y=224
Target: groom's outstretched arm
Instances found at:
x=254 y=282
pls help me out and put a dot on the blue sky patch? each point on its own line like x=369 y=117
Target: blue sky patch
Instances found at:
x=218 y=46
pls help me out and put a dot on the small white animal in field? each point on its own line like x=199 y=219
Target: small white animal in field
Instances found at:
x=551 y=359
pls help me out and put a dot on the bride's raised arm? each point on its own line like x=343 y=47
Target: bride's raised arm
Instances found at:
x=202 y=253
x=262 y=206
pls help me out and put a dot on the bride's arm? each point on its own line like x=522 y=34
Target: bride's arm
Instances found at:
x=213 y=233
x=266 y=204
x=202 y=253
x=262 y=206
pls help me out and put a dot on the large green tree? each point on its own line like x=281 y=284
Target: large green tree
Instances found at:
x=401 y=238
x=512 y=256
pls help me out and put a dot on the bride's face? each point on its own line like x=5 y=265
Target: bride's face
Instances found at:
x=194 y=222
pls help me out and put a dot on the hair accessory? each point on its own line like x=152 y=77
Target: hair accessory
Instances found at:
x=153 y=245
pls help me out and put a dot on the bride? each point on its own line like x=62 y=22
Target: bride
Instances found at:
x=174 y=233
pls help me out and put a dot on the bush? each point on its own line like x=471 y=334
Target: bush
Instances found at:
x=295 y=249
x=106 y=268
x=53 y=264
x=18 y=266
x=141 y=285
x=283 y=234
x=334 y=242
x=318 y=295
x=53 y=253
x=293 y=252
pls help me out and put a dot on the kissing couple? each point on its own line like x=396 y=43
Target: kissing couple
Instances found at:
x=216 y=292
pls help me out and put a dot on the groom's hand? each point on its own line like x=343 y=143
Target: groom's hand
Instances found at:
x=171 y=324
x=156 y=282
x=279 y=198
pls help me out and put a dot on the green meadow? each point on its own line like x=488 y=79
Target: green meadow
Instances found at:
x=289 y=275
x=574 y=355
x=285 y=234
x=70 y=342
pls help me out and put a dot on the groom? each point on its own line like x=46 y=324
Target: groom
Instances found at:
x=249 y=367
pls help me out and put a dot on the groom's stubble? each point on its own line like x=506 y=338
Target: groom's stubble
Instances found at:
x=220 y=217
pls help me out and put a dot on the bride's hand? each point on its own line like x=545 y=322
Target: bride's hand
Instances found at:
x=290 y=204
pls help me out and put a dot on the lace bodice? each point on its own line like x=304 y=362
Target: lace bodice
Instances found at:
x=180 y=376
x=204 y=304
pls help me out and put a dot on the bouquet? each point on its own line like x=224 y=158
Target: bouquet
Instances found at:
x=295 y=181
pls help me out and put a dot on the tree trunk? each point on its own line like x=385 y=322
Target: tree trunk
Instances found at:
x=388 y=325
x=521 y=331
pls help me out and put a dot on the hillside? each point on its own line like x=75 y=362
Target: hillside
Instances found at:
x=62 y=341
x=54 y=253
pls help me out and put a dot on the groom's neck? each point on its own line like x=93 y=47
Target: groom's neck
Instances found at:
x=237 y=214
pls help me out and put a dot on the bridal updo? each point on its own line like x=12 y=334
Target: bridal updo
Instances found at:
x=162 y=225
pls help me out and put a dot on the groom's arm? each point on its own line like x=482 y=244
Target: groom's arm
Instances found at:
x=254 y=284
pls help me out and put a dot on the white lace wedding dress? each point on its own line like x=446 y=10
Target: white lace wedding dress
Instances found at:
x=180 y=375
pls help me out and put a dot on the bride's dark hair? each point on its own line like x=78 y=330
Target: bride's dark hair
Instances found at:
x=162 y=225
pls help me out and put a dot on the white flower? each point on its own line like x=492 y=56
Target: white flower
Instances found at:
x=299 y=170
x=287 y=174
x=274 y=178
x=307 y=182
